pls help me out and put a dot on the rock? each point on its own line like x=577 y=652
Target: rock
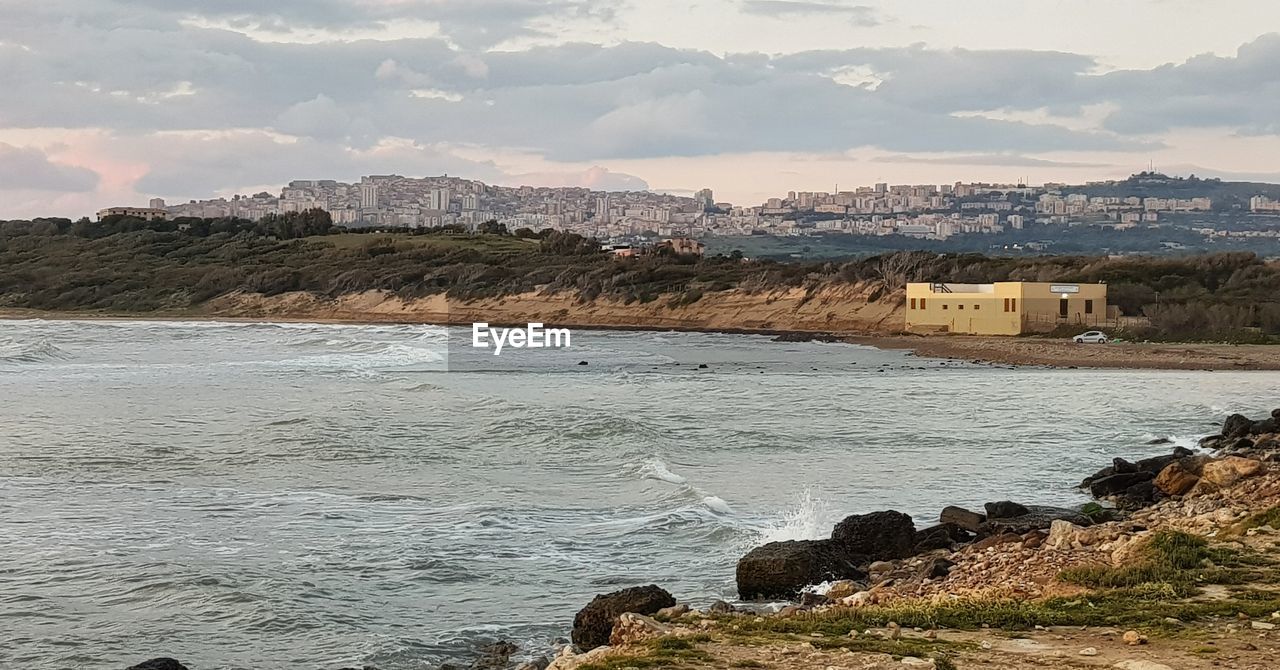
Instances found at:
x=1265 y=426
x=1136 y=497
x=994 y=540
x=1180 y=476
x=1005 y=510
x=1227 y=471
x=721 y=607
x=539 y=663
x=941 y=536
x=673 y=612
x=1262 y=625
x=936 y=568
x=496 y=656
x=1089 y=651
x=843 y=589
x=879 y=535
x=1039 y=518
x=1160 y=440
x=1140 y=665
x=1062 y=535
x=1133 y=638
x=1117 y=483
x=1034 y=539
x=970 y=521
x=1236 y=425
x=583 y=363
x=633 y=628
x=809 y=599
x=860 y=599
x=594 y=623
x=879 y=568
x=923 y=663
x=783 y=569
x=159 y=664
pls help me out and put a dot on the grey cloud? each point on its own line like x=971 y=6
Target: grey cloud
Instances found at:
x=1010 y=160
x=861 y=15
x=31 y=170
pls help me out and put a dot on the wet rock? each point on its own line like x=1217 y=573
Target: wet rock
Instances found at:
x=159 y=664
x=721 y=607
x=1160 y=440
x=1138 y=496
x=941 y=536
x=673 y=612
x=1039 y=517
x=959 y=516
x=1005 y=509
x=809 y=599
x=594 y=623
x=495 y=656
x=783 y=569
x=878 y=535
x=1236 y=425
x=1153 y=465
x=539 y=663
x=1117 y=483
x=583 y=363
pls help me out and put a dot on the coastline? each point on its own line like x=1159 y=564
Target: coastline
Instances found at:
x=1015 y=351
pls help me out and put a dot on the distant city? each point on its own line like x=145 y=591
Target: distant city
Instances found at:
x=930 y=212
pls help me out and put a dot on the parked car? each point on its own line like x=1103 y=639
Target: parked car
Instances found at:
x=1091 y=337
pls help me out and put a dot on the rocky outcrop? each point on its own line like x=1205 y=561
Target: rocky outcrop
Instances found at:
x=963 y=518
x=783 y=569
x=878 y=535
x=159 y=664
x=1038 y=517
x=594 y=623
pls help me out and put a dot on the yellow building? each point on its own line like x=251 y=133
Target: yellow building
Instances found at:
x=144 y=213
x=1004 y=308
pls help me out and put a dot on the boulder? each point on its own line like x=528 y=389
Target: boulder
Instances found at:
x=1005 y=510
x=1264 y=427
x=879 y=535
x=783 y=569
x=1137 y=496
x=594 y=623
x=996 y=540
x=1062 y=535
x=1153 y=465
x=1180 y=476
x=1038 y=517
x=159 y=664
x=1227 y=471
x=970 y=521
x=496 y=656
x=1236 y=425
x=843 y=589
x=673 y=612
x=1120 y=466
x=1117 y=483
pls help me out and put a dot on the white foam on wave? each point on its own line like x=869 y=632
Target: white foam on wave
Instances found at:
x=717 y=504
x=656 y=468
x=810 y=518
x=1184 y=441
x=30 y=351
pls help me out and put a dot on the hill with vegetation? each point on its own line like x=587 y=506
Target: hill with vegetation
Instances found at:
x=130 y=266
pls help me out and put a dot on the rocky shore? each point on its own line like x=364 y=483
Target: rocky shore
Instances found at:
x=1175 y=567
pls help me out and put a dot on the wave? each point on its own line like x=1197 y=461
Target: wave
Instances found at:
x=35 y=351
x=811 y=518
x=655 y=468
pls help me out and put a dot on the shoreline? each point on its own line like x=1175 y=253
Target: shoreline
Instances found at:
x=1014 y=351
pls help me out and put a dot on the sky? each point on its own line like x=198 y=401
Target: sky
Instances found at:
x=113 y=102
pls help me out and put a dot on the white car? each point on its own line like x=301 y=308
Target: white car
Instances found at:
x=1091 y=337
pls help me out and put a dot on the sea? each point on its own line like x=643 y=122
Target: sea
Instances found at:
x=286 y=495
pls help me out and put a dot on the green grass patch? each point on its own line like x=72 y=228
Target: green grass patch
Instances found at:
x=1173 y=565
x=1269 y=517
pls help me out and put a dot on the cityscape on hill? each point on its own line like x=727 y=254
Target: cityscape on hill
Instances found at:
x=1158 y=212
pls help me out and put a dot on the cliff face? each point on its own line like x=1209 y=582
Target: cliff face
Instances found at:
x=845 y=308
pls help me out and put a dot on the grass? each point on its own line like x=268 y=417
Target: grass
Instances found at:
x=1174 y=565
x=1269 y=517
x=663 y=652
x=498 y=244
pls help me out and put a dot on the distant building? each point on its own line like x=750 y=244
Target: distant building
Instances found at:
x=156 y=203
x=685 y=246
x=1003 y=308
x=144 y=213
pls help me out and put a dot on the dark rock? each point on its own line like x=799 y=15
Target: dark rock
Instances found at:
x=783 y=569
x=594 y=623
x=496 y=656
x=941 y=536
x=583 y=363
x=808 y=599
x=1275 y=414
x=936 y=568
x=1138 y=496
x=702 y=366
x=1153 y=465
x=970 y=521
x=1161 y=440
x=539 y=663
x=1039 y=517
x=996 y=539
x=159 y=664
x=1117 y=483
x=1241 y=444
x=1122 y=467
x=1236 y=425
x=1264 y=427
x=1005 y=509
x=878 y=535
x=1212 y=442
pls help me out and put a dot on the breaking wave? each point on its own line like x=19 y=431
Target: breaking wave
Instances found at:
x=37 y=351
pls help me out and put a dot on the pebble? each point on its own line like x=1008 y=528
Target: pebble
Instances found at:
x=1133 y=638
x=1089 y=651
x=1262 y=625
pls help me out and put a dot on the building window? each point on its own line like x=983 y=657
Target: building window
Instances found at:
x=977 y=307
x=913 y=303
x=1088 y=307
x=922 y=303
x=1014 y=304
x=961 y=306
x=944 y=307
x=1006 y=305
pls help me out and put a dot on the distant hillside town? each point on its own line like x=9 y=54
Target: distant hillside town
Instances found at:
x=929 y=212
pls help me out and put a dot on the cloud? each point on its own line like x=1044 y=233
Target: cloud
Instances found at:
x=860 y=15
x=596 y=178
x=29 y=169
x=1009 y=160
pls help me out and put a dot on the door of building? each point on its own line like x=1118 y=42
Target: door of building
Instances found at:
x=1062 y=307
